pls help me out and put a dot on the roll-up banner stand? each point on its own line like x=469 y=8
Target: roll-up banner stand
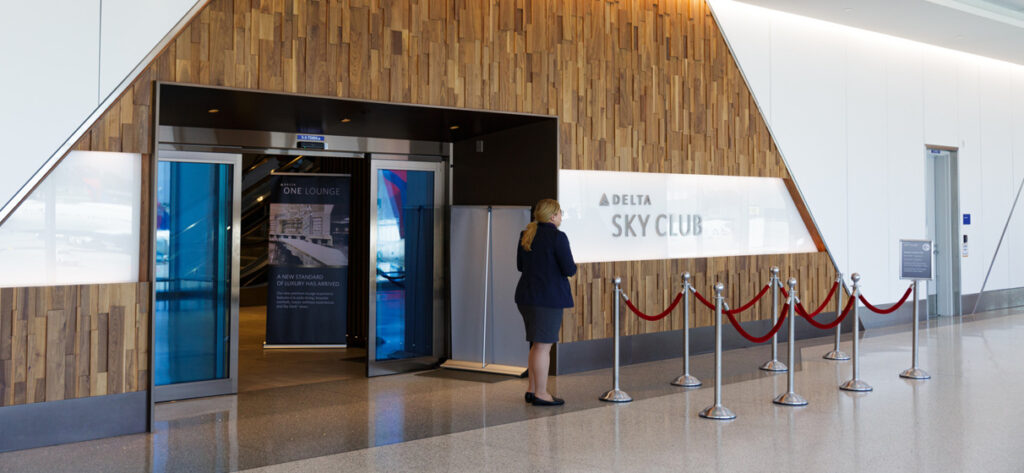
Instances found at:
x=487 y=330
x=307 y=260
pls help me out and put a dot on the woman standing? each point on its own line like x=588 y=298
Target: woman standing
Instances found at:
x=545 y=261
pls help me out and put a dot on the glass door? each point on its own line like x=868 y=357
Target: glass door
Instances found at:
x=196 y=291
x=406 y=266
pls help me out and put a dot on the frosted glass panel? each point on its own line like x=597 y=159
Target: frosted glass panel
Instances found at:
x=80 y=226
x=628 y=216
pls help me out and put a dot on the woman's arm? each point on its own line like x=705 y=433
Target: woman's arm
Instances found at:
x=519 y=253
x=563 y=254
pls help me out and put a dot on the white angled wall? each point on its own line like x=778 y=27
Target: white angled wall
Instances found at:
x=852 y=111
x=60 y=60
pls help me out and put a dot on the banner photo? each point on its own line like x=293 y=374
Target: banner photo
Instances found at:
x=630 y=216
x=308 y=238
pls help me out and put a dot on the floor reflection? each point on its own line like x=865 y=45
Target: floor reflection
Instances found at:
x=965 y=418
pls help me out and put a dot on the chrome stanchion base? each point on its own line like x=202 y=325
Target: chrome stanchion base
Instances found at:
x=836 y=355
x=856 y=385
x=717 y=413
x=615 y=395
x=915 y=373
x=774 y=365
x=686 y=381
x=790 y=399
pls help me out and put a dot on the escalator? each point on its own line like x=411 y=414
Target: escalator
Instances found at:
x=256 y=176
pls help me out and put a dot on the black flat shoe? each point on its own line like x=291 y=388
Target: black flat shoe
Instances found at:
x=553 y=402
x=529 y=397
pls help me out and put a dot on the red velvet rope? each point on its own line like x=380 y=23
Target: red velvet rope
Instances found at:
x=837 y=321
x=891 y=309
x=660 y=316
x=733 y=311
x=748 y=304
x=769 y=335
x=800 y=308
x=703 y=300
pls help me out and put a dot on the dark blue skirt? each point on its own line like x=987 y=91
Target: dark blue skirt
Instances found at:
x=542 y=323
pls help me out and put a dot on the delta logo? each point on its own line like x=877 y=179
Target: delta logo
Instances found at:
x=625 y=200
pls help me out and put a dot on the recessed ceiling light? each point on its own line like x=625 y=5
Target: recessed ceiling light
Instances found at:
x=847 y=10
x=346 y=120
x=213 y=110
x=453 y=127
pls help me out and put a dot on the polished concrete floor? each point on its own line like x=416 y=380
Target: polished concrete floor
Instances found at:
x=968 y=417
x=260 y=368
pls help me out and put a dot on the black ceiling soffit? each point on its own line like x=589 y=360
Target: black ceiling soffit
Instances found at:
x=190 y=106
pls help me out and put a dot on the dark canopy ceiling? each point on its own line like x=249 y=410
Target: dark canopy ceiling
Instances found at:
x=188 y=105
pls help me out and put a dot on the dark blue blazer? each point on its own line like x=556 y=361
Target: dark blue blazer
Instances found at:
x=545 y=269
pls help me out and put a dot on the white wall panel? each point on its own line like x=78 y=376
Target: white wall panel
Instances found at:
x=939 y=86
x=996 y=139
x=807 y=117
x=130 y=30
x=1015 y=234
x=968 y=123
x=905 y=154
x=837 y=93
x=46 y=89
x=866 y=157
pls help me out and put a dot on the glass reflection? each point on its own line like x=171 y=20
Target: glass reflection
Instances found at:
x=405 y=263
x=79 y=226
x=193 y=272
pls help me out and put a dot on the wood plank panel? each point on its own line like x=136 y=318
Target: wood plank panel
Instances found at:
x=637 y=85
x=56 y=322
x=54 y=345
x=115 y=351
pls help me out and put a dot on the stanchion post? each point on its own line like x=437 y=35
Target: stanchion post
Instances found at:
x=791 y=398
x=616 y=394
x=855 y=383
x=836 y=354
x=718 y=411
x=914 y=372
x=774 y=364
x=686 y=380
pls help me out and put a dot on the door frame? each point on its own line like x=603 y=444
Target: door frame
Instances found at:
x=216 y=387
x=951 y=193
x=440 y=169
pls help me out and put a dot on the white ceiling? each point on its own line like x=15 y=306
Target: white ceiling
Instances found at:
x=993 y=28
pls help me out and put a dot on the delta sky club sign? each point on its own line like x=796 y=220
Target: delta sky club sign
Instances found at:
x=628 y=216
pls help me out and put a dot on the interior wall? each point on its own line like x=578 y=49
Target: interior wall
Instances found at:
x=63 y=62
x=68 y=342
x=852 y=112
x=637 y=86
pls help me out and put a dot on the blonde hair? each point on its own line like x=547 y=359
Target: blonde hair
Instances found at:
x=542 y=213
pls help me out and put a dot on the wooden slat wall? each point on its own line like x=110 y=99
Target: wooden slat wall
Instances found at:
x=638 y=85
x=66 y=342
